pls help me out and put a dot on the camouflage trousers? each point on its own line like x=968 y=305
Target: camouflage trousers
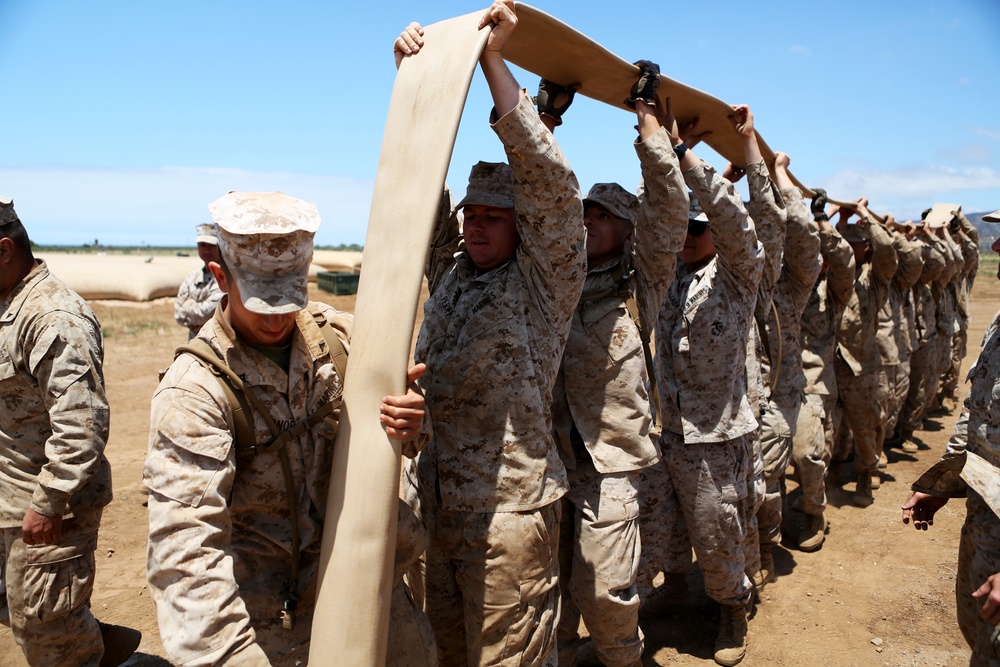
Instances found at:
x=978 y=559
x=911 y=417
x=491 y=585
x=897 y=385
x=860 y=415
x=776 y=433
x=810 y=453
x=940 y=362
x=598 y=564
x=959 y=343
x=705 y=493
x=48 y=589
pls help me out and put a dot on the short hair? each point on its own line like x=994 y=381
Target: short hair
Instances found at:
x=16 y=232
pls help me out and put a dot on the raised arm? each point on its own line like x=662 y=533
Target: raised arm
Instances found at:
x=661 y=223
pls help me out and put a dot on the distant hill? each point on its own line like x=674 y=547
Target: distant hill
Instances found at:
x=988 y=231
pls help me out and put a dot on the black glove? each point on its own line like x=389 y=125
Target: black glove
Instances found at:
x=553 y=99
x=645 y=88
x=818 y=205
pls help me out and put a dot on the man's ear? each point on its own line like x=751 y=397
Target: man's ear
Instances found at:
x=6 y=249
x=220 y=276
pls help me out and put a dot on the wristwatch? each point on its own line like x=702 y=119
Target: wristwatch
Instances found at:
x=679 y=150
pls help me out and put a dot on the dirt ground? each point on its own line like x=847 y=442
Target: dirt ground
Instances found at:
x=878 y=593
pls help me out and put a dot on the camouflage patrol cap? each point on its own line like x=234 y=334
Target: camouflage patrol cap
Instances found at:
x=7 y=213
x=992 y=217
x=490 y=184
x=616 y=199
x=695 y=211
x=853 y=233
x=207 y=234
x=266 y=240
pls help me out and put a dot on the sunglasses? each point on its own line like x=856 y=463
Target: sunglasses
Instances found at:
x=697 y=227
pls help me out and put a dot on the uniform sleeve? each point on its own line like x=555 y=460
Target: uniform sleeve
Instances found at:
x=911 y=262
x=190 y=470
x=552 y=254
x=840 y=265
x=884 y=262
x=802 y=261
x=968 y=228
x=194 y=306
x=444 y=243
x=738 y=251
x=64 y=353
x=661 y=223
x=933 y=263
x=959 y=440
x=767 y=210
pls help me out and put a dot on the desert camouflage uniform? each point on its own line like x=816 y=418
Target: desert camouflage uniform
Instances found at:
x=925 y=316
x=800 y=269
x=708 y=424
x=53 y=429
x=219 y=528
x=862 y=403
x=944 y=295
x=491 y=475
x=893 y=336
x=969 y=241
x=813 y=443
x=197 y=298
x=601 y=414
x=977 y=437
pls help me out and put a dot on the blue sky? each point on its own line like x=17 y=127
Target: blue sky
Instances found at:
x=123 y=120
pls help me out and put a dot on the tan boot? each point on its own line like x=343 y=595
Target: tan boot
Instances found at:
x=863 y=490
x=731 y=644
x=876 y=481
x=813 y=533
x=766 y=573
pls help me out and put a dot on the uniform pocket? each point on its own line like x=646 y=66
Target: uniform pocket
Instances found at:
x=58 y=578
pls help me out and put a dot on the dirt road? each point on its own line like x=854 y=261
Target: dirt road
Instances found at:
x=878 y=593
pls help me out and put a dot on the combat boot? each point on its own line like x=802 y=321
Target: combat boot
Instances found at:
x=586 y=656
x=863 y=490
x=813 y=533
x=731 y=644
x=876 y=481
x=765 y=574
x=119 y=643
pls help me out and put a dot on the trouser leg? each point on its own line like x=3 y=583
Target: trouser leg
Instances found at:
x=776 y=446
x=665 y=543
x=864 y=410
x=809 y=454
x=606 y=546
x=979 y=558
x=710 y=480
x=48 y=593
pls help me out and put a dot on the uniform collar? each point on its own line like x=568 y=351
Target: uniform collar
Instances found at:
x=11 y=306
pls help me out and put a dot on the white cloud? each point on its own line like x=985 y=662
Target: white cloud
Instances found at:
x=908 y=190
x=69 y=205
x=967 y=153
x=800 y=49
x=987 y=132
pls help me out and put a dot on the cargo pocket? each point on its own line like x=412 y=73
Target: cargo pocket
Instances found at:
x=58 y=578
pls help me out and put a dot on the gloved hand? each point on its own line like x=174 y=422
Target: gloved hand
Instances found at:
x=646 y=86
x=553 y=99
x=818 y=205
